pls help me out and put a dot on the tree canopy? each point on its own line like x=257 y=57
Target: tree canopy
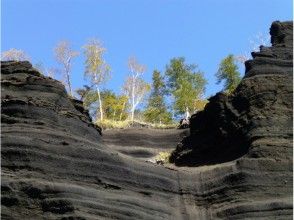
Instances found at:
x=135 y=87
x=228 y=72
x=186 y=83
x=64 y=55
x=96 y=69
x=115 y=106
x=14 y=54
x=156 y=111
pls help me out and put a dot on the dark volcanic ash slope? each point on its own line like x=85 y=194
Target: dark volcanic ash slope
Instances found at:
x=55 y=166
x=143 y=143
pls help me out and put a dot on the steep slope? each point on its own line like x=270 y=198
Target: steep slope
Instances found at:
x=55 y=166
x=256 y=119
x=255 y=125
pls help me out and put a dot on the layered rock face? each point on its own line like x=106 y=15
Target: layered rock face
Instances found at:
x=256 y=120
x=55 y=165
x=253 y=124
x=143 y=143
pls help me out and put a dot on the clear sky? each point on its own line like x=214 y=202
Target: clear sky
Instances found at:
x=203 y=31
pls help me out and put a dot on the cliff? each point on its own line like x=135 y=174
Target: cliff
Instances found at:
x=256 y=120
x=56 y=166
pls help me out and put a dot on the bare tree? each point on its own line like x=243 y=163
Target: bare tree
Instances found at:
x=64 y=55
x=134 y=86
x=50 y=72
x=40 y=67
x=96 y=68
x=258 y=40
x=14 y=54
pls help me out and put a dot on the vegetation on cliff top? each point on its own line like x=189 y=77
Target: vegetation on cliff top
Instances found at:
x=176 y=92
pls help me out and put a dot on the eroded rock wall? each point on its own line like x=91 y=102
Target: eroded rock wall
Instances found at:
x=55 y=166
x=256 y=120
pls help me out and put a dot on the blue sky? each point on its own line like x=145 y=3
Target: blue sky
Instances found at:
x=154 y=31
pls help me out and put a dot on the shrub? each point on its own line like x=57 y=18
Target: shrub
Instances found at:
x=162 y=157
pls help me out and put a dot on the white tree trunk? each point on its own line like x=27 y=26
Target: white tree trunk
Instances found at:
x=68 y=82
x=67 y=72
x=100 y=103
x=132 y=114
x=187 y=113
x=133 y=99
x=99 y=99
x=114 y=113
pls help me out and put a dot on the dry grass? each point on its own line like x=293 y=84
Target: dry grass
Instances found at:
x=164 y=126
x=162 y=157
x=111 y=124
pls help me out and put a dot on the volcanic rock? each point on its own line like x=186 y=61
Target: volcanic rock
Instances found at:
x=55 y=165
x=256 y=120
x=251 y=127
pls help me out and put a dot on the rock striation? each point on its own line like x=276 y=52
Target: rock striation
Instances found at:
x=55 y=165
x=143 y=143
x=256 y=120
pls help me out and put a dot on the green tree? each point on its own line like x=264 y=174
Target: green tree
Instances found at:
x=156 y=111
x=228 y=72
x=114 y=105
x=187 y=85
x=122 y=107
x=96 y=68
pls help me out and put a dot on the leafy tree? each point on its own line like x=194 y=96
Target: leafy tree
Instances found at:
x=96 y=68
x=122 y=107
x=135 y=87
x=228 y=72
x=114 y=106
x=64 y=55
x=14 y=54
x=156 y=109
x=200 y=104
x=187 y=85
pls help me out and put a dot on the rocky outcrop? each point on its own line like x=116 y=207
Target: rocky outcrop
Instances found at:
x=256 y=120
x=55 y=166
